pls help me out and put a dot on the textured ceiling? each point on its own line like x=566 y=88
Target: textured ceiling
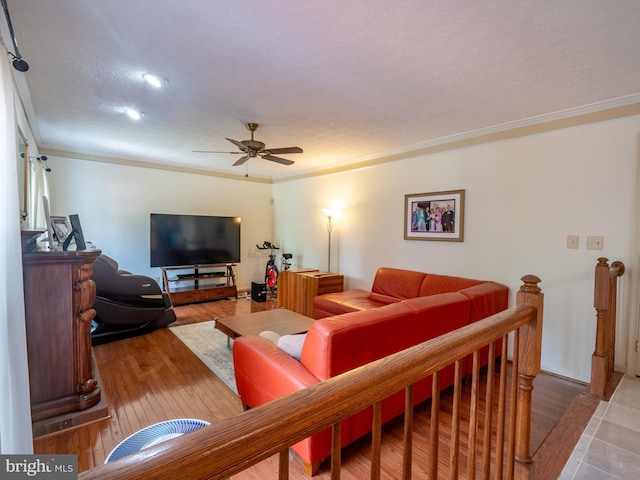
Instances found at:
x=344 y=80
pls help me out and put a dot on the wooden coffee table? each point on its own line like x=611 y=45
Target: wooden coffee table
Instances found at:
x=279 y=320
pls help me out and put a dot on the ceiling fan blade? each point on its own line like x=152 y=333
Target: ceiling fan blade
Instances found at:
x=278 y=151
x=240 y=161
x=211 y=151
x=238 y=144
x=283 y=161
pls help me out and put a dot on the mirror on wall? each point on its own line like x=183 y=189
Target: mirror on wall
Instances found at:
x=23 y=174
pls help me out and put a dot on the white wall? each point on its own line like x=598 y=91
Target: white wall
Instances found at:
x=114 y=203
x=523 y=197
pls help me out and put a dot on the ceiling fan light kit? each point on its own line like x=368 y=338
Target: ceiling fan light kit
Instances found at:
x=154 y=80
x=253 y=148
x=133 y=114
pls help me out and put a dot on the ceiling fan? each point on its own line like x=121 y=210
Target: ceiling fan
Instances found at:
x=254 y=148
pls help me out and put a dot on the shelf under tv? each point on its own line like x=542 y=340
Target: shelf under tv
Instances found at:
x=195 y=285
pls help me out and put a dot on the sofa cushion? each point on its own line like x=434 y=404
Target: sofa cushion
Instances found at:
x=397 y=283
x=377 y=298
x=338 y=303
x=434 y=284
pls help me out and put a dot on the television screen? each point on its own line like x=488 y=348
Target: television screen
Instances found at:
x=178 y=240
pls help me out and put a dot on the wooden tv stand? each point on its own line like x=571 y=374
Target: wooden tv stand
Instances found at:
x=199 y=283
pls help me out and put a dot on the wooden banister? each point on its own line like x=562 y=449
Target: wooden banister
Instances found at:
x=604 y=301
x=233 y=444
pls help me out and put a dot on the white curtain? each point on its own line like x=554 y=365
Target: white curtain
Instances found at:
x=38 y=187
x=15 y=410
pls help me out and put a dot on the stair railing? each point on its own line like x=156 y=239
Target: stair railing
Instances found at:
x=234 y=444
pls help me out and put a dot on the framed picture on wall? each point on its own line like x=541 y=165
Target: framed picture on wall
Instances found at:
x=434 y=216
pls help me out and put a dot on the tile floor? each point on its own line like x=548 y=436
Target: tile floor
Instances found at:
x=609 y=447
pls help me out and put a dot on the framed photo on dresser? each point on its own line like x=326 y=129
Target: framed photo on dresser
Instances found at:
x=61 y=228
x=77 y=232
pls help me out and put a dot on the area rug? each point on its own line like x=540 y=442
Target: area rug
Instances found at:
x=210 y=346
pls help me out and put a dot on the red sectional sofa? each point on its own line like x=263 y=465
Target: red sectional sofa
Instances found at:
x=392 y=285
x=356 y=327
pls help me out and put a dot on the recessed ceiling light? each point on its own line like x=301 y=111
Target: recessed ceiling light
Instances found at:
x=154 y=80
x=134 y=114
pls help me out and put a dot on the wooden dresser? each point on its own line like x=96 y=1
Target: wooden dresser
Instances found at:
x=59 y=294
x=296 y=288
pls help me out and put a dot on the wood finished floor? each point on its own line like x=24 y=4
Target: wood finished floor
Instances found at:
x=155 y=377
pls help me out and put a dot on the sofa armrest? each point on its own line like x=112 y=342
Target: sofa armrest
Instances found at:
x=264 y=372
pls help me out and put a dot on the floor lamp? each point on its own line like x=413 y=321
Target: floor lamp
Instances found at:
x=330 y=214
x=329 y=228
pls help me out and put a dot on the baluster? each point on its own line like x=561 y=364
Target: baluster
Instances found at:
x=376 y=441
x=283 y=465
x=407 y=454
x=336 y=446
x=435 y=426
x=488 y=419
x=473 y=419
x=455 y=423
x=502 y=400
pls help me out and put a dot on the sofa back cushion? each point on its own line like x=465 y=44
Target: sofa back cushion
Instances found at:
x=486 y=299
x=439 y=314
x=338 y=344
x=434 y=284
x=391 y=284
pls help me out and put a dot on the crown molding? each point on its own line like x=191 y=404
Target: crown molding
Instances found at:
x=154 y=166
x=594 y=113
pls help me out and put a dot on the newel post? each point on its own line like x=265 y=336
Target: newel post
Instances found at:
x=601 y=304
x=604 y=301
x=530 y=347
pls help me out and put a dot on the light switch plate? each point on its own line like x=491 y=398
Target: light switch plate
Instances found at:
x=573 y=241
x=595 y=242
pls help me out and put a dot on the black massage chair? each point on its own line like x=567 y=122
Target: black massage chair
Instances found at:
x=126 y=304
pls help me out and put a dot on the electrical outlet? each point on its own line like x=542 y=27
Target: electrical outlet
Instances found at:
x=573 y=241
x=595 y=242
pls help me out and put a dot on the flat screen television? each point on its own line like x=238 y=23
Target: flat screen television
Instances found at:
x=183 y=240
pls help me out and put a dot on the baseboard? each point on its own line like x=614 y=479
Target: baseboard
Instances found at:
x=567 y=379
